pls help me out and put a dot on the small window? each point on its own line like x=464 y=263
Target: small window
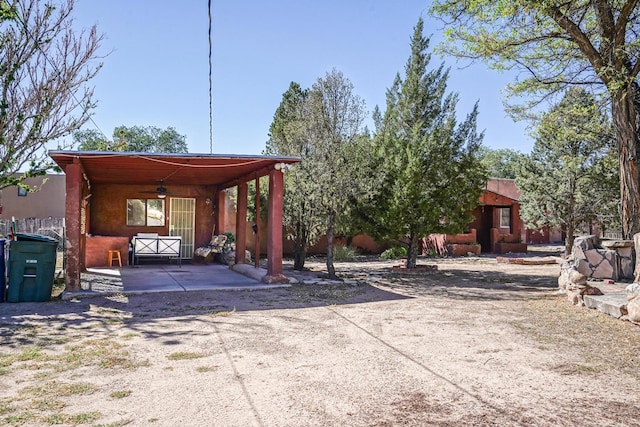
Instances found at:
x=505 y=217
x=22 y=192
x=145 y=212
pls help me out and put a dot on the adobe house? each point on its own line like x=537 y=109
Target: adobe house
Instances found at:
x=499 y=228
x=496 y=226
x=113 y=196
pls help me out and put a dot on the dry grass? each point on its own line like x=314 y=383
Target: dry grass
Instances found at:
x=120 y=394
x=222 y=313
x=44 y=400
x=185 y=355
x=603 y=342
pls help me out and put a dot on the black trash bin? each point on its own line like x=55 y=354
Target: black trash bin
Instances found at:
x=32 y=268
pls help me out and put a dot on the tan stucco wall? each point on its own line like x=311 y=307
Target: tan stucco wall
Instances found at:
x=48 y=201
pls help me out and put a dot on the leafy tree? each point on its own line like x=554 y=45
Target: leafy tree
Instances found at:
x=136 y=139
x=91 y=140
x=560 y=44
x=431 y=178
x=568 y=179
x=44 y=67
x=502 y=162
x=323 y=126
x=335 y=126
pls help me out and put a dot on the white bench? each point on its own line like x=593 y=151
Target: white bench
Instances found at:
x=152 y=245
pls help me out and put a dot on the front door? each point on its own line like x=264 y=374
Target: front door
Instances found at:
x=182 y=215
x=484 y=231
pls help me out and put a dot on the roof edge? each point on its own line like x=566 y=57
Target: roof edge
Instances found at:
x=74 y=153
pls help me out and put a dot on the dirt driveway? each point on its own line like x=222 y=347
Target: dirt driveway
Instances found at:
x=477 y=343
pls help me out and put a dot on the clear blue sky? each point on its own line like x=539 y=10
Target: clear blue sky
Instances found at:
x=157 y=71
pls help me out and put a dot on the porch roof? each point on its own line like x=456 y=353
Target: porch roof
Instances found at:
x=222 y=170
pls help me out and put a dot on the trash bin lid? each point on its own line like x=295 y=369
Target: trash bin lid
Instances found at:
x=34 y=237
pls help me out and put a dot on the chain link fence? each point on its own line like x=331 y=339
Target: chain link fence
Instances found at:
x=51 y=227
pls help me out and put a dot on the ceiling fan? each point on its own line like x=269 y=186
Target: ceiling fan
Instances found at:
x=161 y=191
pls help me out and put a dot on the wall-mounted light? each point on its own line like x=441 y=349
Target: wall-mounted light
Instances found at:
x=208 y=200
x=280 y=166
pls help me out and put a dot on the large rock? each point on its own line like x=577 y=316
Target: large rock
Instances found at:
x=585 y=243
x=597 y=263
x=625 y=253
x=230 y=256
x=636 y=241
x=633 y=310
x=633 y=291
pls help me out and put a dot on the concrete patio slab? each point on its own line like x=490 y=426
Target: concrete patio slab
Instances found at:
x=142 y=279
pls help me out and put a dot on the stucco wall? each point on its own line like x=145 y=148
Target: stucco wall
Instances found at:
x=108 y=207
x=48 y=201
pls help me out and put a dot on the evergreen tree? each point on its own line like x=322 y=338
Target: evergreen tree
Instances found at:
x=429 y=176
x=570 y=178
x=287 y=137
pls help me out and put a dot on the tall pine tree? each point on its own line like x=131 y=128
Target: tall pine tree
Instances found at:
x=430 y=178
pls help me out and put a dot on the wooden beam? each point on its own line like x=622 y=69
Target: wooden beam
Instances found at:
x=73 y=203
x=241 y=224
x=274 y=229
x=256 y=251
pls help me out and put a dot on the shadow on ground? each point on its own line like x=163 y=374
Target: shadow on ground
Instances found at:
x=371 y=282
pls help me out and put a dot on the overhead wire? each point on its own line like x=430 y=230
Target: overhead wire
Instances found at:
x=210 y=88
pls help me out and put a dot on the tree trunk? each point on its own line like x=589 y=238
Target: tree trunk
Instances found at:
x=331 y=270
x=568 y=243
x=412 y=252
x=299 y=255
x=300 y=247
x=625 y=119
x=571 y=220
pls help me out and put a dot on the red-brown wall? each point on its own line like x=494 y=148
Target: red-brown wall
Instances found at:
x=108 y=207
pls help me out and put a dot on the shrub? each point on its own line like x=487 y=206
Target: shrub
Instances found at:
x=394 y=253
x=344 y=253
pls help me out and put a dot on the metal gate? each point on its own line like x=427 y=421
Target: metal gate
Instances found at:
x=182 y=214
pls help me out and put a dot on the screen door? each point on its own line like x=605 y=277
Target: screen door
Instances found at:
x=182 y=214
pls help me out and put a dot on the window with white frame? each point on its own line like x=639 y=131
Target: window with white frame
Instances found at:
x=505 y=217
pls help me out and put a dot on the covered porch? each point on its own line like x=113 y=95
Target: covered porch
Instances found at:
x=112 y=197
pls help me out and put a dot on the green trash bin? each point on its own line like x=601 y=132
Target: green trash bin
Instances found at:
x=32 y=268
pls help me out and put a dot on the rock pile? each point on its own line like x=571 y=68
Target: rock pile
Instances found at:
x=575 y=283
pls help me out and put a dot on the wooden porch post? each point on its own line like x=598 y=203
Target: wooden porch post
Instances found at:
x=73 y=232
x=256 y=256
x=221 y=209
x=241 y=224
x=274 y=229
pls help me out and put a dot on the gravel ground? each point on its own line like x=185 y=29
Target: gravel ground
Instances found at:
x=475 y=343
